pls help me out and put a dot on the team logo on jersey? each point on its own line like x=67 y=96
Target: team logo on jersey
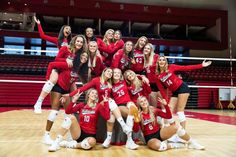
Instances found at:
x=115 y=89
x=86 y=111
x=138 y=55
x=135 y=91
x=163 y=79
x=147 y=121
x=103 y=86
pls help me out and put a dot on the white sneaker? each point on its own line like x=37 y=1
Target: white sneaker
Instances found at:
x=106 y=143
x=68 y=144
x=54 y=147
x=47 y=139
x=177 y=145
x=37 y=108
x=126 y=129
x=173 y=138
x=194 y=145
x=131 y=145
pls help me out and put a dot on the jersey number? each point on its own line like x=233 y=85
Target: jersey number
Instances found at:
x=121 y=93
x=86 y=118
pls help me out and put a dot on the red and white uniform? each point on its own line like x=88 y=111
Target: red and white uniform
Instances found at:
x=60 y=61
x=120 y=93
x=170 y=80
x=151 y=70
x=66 y=78
x=88 y=116
x=120 y=60
x=150 y=127
x=63 y=54
x=103 y=89
x=97 y=70
x=49 y=38
x=109 y=50
x=139 y=61
x=134 y=93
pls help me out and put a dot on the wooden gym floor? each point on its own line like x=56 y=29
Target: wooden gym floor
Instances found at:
x=21 y=133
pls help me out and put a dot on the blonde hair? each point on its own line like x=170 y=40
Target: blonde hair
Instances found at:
x=165 y=69
x=150 y=110
x=105 y=40
x=92 y=105
x=121 y=76
x=136 y=46
x=97 y=53
x=148 y=60
x=102 y=80
x=137 y=83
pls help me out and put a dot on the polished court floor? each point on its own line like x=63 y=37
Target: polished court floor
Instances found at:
x=21 y=132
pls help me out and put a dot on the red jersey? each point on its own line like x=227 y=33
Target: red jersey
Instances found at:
x=134 y=93
x=120 y=93
x=56 y=65
x=139 y=61
x=66 y=78
x=53 y=40
x=63 y=54
x=103 y=89
x=151 y=70
x=120 y=60
x=148 y=125
x=88 y=116
x=96 y=70
x=170 y=80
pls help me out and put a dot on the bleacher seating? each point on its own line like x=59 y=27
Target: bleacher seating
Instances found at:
x=24 y=64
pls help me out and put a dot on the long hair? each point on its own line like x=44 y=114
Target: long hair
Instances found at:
x=61 y=36
x=92 y=63
x=76 y=61
x=150 y=110
x=93 y=38
x=115 y=40
x=136 y=46
x=87 y=96
x=165 y=69
x=105 y=40
x=109 y=81
x=137 y=83
x=129 y=55
x=148 y=60
x=121 y=76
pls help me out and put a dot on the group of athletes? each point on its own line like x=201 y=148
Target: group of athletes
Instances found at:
x=121 y=80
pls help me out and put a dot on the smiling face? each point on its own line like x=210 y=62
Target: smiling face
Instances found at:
x=92 y=47
x=108 y=73
x=84 y=57
x=79 y=43
x=109 y=34
x=116 y=74
x=67 y=31
x=130 y=75
x=147 y=49
x=89 y=32
x=128 y=46
x=162 y=62
x=93 y=95
x=143 y=102
x=117 y=35
x=142 y=42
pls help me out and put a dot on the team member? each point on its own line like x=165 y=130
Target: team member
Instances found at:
x=84 y=132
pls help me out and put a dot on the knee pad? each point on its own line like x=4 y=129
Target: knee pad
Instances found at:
x=163 y=146
x=112 y=105
x=66 y=123
x=181 y=116
x=181 y=132
x=52 y=115
x=170 y=121
x=85 y=144
x=112 y=118
x=48 y=87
